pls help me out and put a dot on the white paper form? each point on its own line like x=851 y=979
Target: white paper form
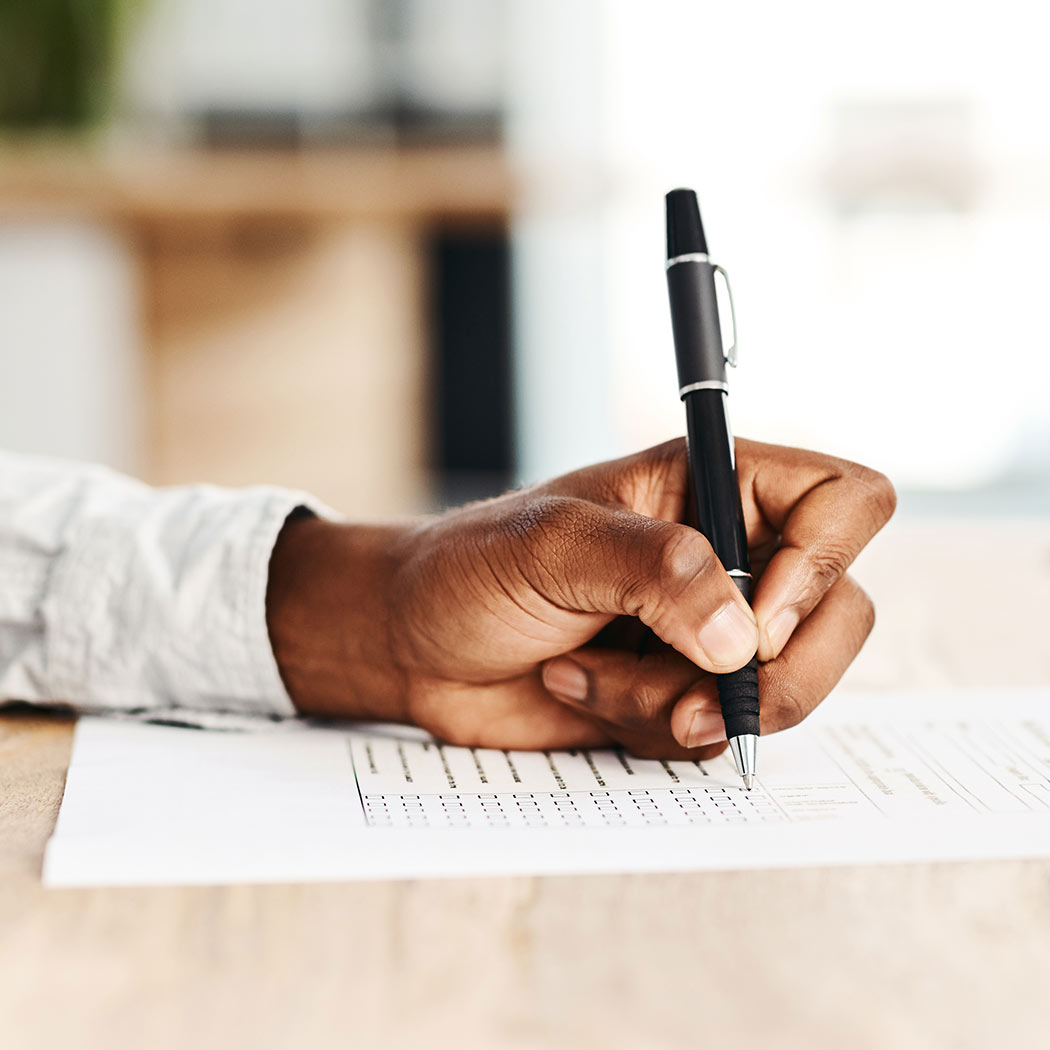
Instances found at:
x=865 y=780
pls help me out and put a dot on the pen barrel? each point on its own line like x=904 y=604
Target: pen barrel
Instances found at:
x=718 y=513
x=695 y=323
x=714 y=489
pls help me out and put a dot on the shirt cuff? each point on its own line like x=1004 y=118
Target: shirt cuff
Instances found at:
x=160 y=608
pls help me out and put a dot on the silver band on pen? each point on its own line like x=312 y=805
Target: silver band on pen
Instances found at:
x=707 y=384
x=687 y=257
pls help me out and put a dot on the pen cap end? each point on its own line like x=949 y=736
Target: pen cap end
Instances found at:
x=685 y=231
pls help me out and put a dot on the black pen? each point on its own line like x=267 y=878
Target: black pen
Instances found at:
x=714 y=490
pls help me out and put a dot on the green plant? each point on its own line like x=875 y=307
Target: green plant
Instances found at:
x=57 y=60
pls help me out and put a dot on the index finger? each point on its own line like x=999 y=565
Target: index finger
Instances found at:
x=825 y=511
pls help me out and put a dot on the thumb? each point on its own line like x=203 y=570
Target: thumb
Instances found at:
x=592 y=558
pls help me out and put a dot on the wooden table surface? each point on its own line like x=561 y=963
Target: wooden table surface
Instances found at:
x=920 y=956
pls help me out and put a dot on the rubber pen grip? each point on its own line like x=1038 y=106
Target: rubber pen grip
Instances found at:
x=738 y=690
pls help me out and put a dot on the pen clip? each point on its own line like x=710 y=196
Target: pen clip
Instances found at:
x=730 y=352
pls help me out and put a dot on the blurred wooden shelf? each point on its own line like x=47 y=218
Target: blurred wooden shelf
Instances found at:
x=283 y=296
x=186 y=185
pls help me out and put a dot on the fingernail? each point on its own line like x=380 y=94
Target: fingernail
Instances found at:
x=730 y=637
x=707 y=727
x=778 y=631
x=566 y=679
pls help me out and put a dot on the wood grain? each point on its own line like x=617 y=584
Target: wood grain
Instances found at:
x=902 y=957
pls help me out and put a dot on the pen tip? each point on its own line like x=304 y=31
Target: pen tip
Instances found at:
x=749 y=781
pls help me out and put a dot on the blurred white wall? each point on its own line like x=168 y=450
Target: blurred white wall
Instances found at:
x=314 y=58
x=560 y=266
x=877 y=185
x=70 y=364
x=269 y=55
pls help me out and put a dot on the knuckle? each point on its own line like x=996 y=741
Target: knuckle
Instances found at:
x=828 y=562
x=685 y=556
x=639 y=707
x=783 y=706
x=657 y=477
x=875 y=492
x=788 y=709
x=680 y=557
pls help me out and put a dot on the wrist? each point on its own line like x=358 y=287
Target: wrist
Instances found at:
x=328 y=614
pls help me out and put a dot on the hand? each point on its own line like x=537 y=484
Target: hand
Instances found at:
x=480 y=625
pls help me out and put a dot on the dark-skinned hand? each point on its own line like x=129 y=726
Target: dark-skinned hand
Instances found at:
x=489 y=625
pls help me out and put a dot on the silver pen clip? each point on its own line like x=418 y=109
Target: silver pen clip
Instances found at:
x=730 y=352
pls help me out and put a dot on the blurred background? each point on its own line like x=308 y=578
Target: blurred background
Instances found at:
x=407 y=252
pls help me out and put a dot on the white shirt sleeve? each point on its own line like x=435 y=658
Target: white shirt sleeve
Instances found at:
x=115 y=596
